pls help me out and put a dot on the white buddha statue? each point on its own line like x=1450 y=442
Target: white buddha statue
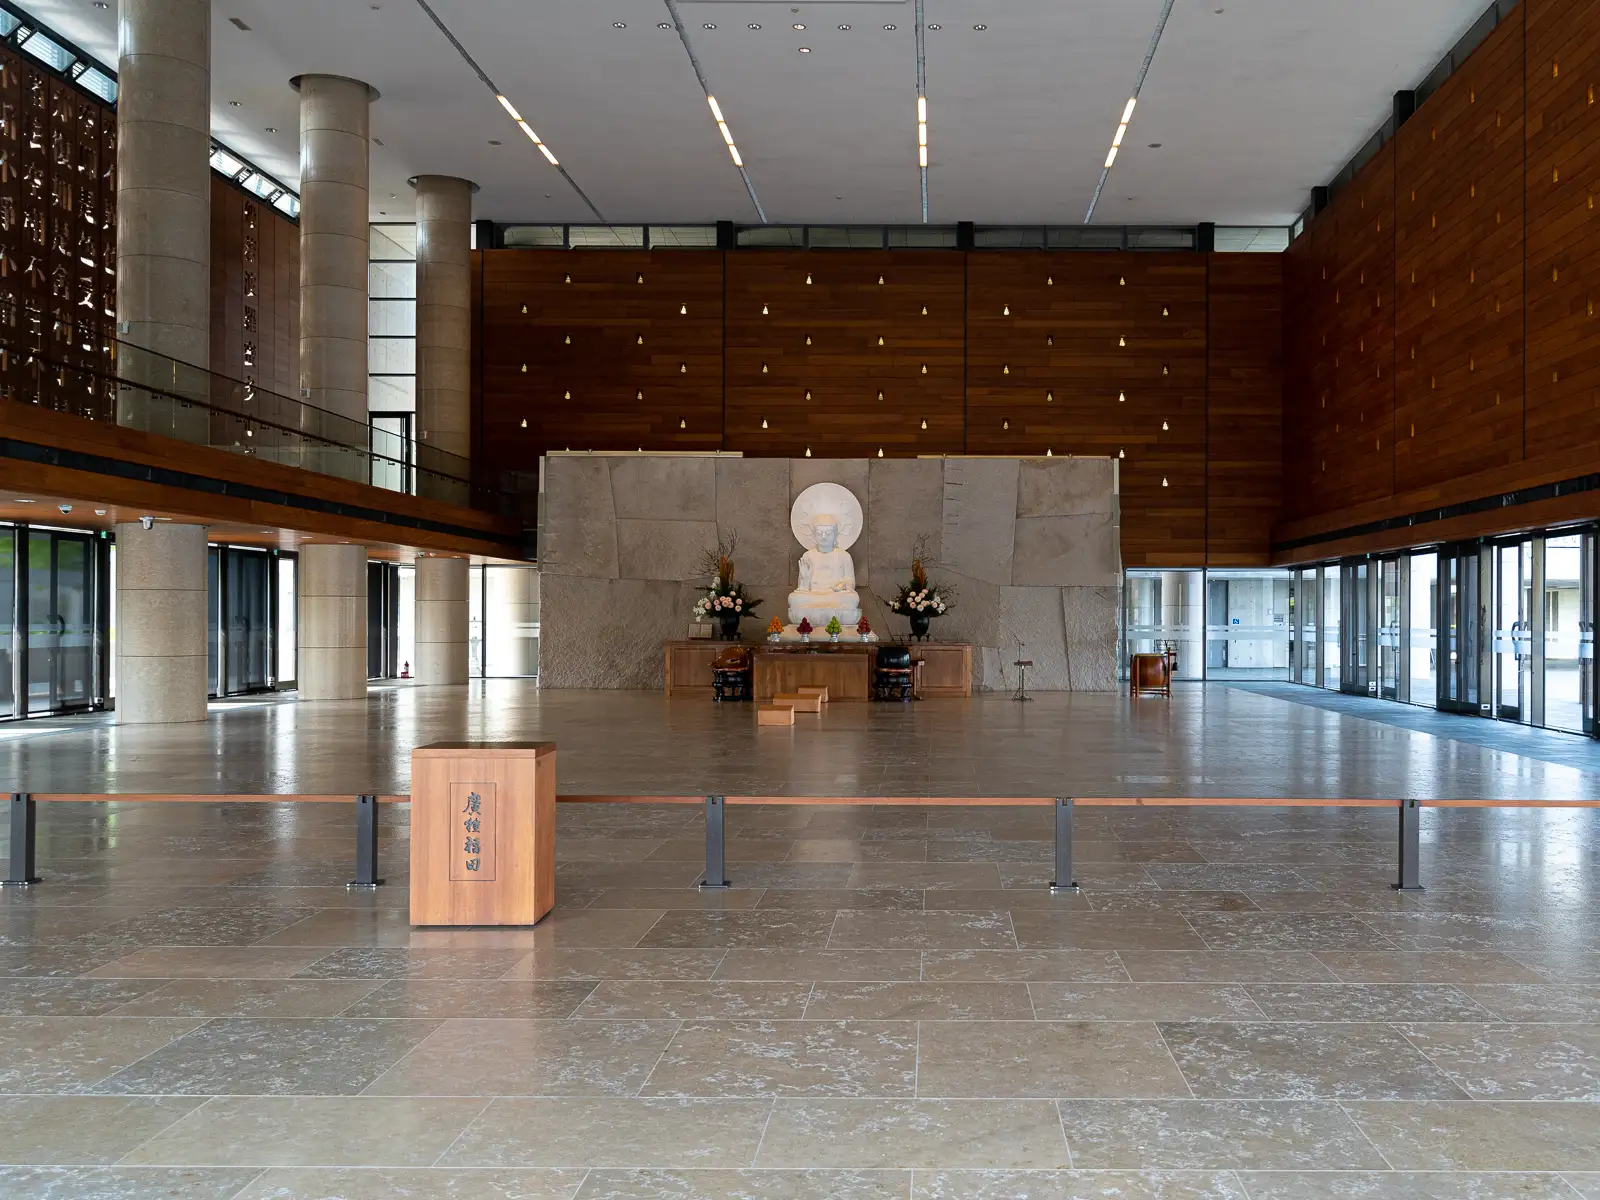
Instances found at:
x=826 y=519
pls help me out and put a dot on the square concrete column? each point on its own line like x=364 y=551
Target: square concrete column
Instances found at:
x=333 y=622
x=441 y=620
x=161 y=623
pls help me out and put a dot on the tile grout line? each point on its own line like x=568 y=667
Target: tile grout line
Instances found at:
x=476 y=1117
x=1176 y=1066
x=250 y=1183
x=179 y=1119
x=772 y=1107
x=1365 y=1136
x=645 y=1082
x=1428 y=1058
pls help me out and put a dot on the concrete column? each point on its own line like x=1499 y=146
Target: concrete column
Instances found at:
x=161 y=623
x=164 y=208
x=444 y=332
x=334 y=135
x=441 y=620
x=333 y=622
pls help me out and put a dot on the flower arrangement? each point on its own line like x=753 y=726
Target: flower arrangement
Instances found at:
x=725 y=598
x=920 y=598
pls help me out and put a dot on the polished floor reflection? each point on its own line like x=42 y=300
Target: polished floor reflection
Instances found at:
x=887 y=1004
x=1208 y=740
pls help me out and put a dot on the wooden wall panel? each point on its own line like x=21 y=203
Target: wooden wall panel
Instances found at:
x=1244 y=409
x=1458 y=270
x=628 y=354
x=999 y=353
x=1563 y=225
x=1100 y=354
x=1496 y=273
x=255 y=292
x=844 y=353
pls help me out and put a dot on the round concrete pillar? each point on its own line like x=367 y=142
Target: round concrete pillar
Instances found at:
x=441 y=636
x=444 y=332
x=334 y=135
x=164 y=177
x=161 y=623
x=333 y=622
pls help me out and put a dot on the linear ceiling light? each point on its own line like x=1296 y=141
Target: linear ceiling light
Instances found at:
x=527 y=129
x=1127 y=112
x=716 y=109
x=510 y=108
x=722 y=127
x=922 y=109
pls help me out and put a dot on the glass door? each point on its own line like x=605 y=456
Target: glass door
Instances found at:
x=1513 y=657
x=62 y=639
x=8 y=597
x=1388 y=629
x=246 y=620
x=1569 y=632
x=1329 y=657
x=1355 y=581
x=383 y=620
x=1460 y=622
x=1422 y=628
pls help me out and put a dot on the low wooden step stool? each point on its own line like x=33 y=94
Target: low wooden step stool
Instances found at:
x=818 y=690
x=799 y=702
x=773 y=714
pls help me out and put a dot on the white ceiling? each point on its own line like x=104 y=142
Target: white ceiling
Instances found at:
x=1253 y=101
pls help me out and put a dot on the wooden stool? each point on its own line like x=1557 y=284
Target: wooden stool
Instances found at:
x=798 y=702
x=771 y=714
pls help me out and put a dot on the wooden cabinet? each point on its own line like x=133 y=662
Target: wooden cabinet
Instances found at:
x=483 y=833
x=689 y=666
x=945 y=669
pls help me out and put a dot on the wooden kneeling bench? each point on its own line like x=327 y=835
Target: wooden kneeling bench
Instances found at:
x=774 y=714
x=799 y=701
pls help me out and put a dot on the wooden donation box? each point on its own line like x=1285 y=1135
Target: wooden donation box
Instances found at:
x=483 y=833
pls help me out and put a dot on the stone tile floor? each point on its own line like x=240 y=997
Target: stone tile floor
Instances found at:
x=1236 y=1007
x=888 y=1004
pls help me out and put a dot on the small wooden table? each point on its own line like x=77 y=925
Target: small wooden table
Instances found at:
x=483 y=833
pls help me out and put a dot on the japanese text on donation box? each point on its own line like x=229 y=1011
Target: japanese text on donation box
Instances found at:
x=472 y=806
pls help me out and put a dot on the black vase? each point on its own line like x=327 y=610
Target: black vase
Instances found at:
x=730 y=625
x=919 y=624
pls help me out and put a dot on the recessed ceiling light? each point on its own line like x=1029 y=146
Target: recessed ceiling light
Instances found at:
x=101 y=4
x=805 y=49
x=890 y=28
x=753 y=25
x=936 y=27
x=980 y=28
x=844 y=29
x=663 y=24
x=798 y=25
x=272 y=129
x=495 y=142
x=709 y=25
x=1155 y=145
x=619 y=24
x=235 y=104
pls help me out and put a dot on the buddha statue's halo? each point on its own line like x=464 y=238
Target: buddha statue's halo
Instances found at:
x=828 y=500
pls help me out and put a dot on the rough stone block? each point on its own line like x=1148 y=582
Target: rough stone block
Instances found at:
x=1066 y=552
x=666 y=488
x=753 y=502
x=1033 y=614
x=1089 y=619
x=1065 y=487
x=599 y=633
x=980 y=508
x=663 y=549
x=906 y=501
x=579 y=521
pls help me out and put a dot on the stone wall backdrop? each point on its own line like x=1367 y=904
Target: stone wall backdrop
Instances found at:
x=1031 y=546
